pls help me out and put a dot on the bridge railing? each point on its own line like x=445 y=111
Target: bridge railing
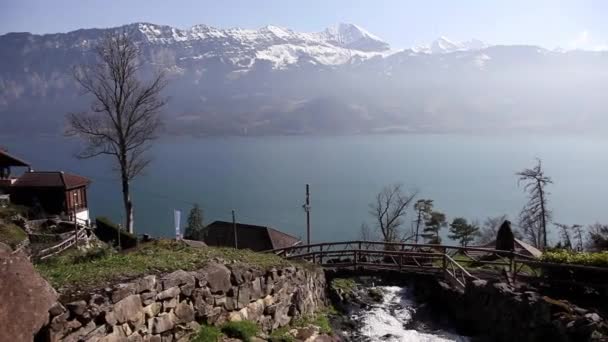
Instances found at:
x=458 y=263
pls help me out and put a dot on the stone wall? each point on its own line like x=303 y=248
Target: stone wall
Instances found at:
x=495 y=311
x=170 y=307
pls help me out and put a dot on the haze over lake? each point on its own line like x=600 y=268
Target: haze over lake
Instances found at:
x=263 y=178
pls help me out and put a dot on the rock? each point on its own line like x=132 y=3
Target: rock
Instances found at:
x=152 y=309
x=135 y=338
x=593 y=317
x=256 y=289
x=152 y=338
x=129 y=309
x=110 y=318
x=255 y=310
x=77 y=308
x=306 y=333
x=26 y=297
x=268 y=300
x=147 y=283
x=218 y=277
x=187 y=289
x=57 y=309
x=177 y=278
x=235 y=316
x=148 y=298
x=122 y=291
x=169 y=293
x=184 y=312
x=161 y=323
x=244 y=297
x=169 y=304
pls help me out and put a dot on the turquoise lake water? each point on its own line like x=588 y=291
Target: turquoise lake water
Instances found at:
x=263 y=178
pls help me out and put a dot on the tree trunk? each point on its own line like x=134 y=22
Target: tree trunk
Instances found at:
x=126 y=195
x=543 y=216
x=418 y=225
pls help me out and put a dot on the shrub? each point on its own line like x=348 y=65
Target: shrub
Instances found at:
x=207 y=333
x=107 y=232
x=599 y=259
x=244 y=330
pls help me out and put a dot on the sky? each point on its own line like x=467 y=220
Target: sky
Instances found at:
x=403 y=23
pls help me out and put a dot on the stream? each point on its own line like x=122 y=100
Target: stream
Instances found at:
x=393 y=318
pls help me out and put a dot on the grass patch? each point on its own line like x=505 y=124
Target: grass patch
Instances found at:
x=207 y=333
x=11 y=234
x=243 y=330
x=155 y=257
x=344 y=284
x=320 y=320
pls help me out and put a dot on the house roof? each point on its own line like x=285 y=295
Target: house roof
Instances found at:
x=7 y=159
x=520 y=247
x=257 y=238
x=51 y=179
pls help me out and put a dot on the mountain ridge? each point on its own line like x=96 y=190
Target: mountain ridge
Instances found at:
x=344 y=79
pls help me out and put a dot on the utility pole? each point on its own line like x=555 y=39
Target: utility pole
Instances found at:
x=234 y=230
x=307 y=210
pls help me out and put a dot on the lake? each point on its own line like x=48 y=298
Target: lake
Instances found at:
x=263 y=178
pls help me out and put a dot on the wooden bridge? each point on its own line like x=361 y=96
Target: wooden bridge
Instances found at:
x=456 y=264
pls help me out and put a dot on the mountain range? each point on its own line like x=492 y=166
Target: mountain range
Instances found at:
x=341 y=80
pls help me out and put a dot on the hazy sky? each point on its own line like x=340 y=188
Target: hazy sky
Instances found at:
x=550 y=23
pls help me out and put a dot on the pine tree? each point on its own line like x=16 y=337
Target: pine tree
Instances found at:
x=432 y=227
x=423 y=208
x=463 y=231
x=194 y=229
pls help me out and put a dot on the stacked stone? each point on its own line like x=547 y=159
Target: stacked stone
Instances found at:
x=171 y=307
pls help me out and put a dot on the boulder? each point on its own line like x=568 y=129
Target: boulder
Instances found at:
x=161 y=323
x=171 y=292
x=184 y=312
x=177 y=278
x=77 y=308
x=147 y=283
x=152 y=310
x=122 y=291
x=25 y=295
x=128 y=309
x=218 y=277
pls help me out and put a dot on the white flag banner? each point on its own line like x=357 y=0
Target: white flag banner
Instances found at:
x=176 y=218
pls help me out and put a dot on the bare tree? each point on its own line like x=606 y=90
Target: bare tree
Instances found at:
x=489 y=229
x=571 y=236
x=598 y=237
x=535 y=215
x=124 y=116
x=389 y=209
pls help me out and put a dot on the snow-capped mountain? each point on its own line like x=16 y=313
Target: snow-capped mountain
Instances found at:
x=343 y=79
x=445 y=45
x=277 y=45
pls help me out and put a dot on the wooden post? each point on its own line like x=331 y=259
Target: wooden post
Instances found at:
x=321 y=255
x=307 y=209
x=234 y=230
x=445 y=261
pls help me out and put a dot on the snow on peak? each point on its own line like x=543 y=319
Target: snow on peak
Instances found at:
x=355 y=37
x=444 y=45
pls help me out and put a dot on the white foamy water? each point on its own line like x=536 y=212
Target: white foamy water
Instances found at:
x=386 y=321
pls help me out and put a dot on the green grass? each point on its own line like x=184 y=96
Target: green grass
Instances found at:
x=344 y=284
x=320 y=320
x=207 y=333
x=11 y=234
x=155 y=257
x=243 y=330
